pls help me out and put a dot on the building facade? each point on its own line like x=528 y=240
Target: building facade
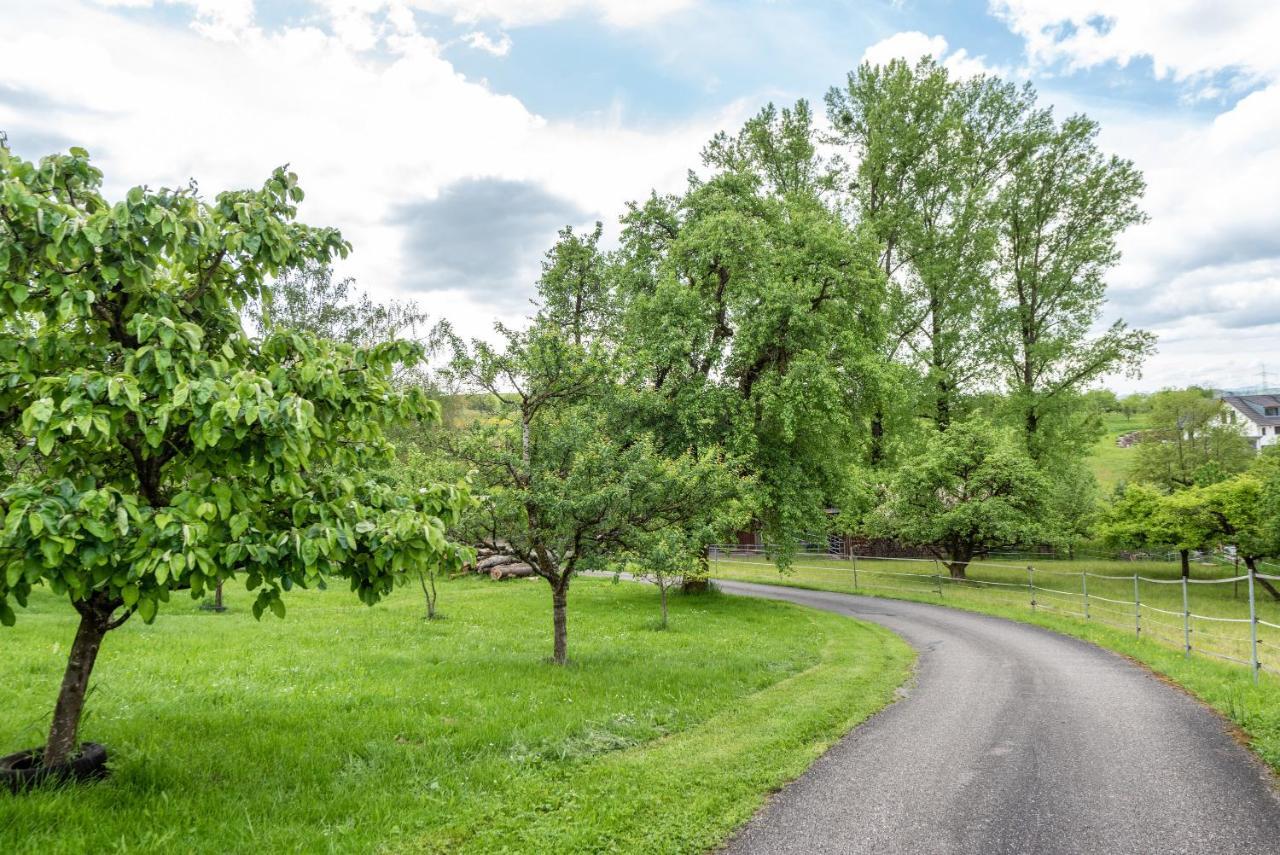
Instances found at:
x=1256 y=416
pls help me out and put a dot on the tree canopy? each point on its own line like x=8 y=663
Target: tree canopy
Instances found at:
x=751 y=317
x=168 y=449
x=972 y=489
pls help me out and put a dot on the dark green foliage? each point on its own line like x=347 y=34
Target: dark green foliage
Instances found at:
x=751 y=321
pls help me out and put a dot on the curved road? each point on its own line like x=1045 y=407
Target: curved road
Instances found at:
x=1014 y=739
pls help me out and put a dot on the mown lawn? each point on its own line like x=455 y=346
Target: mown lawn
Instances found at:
x=354 y=729
x=1224 y=685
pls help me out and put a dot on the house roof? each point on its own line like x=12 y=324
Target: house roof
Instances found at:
x=1253 y=407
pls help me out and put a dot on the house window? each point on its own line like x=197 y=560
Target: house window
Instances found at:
x=1273 y=411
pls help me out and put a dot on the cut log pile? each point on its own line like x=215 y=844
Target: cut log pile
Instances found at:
x=499 y=566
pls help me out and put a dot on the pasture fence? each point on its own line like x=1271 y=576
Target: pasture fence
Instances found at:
x=1197 y=616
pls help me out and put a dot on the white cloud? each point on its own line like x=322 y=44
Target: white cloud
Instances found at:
x=913 y=45
x=617 y=13
x=367 y=132
x=500 y=46
x=522 y=13
x=909 y=45
x=217 y=19
x=1184 y=39
x=1205 y=272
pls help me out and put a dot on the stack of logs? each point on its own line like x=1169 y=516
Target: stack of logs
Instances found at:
x=499 y=566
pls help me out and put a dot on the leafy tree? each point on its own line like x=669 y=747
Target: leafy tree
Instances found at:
x=970 y=490
x=1103 y=401
x=929 y=152
x=750 y=318
x=565 y=485
x=667 y=557
x=307 y=299
x=1188 y=443
x=573 y=290
x=1060 y=212
x=1141 y=517
x=172 y=450
x=1242 y=515
x=1183 y=522
x=1072 y=504
x=1135 y=404
x=1266 y=467
x=1129 y=520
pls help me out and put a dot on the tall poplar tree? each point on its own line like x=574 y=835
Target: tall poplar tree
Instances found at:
x=924 y=154
x=1060 y=213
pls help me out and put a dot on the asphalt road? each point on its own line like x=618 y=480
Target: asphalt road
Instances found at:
x=1013 y=739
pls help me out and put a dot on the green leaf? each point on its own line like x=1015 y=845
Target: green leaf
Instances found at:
x=147 y=609
x=277 y=607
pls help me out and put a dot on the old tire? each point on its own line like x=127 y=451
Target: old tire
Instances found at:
x=22 y=770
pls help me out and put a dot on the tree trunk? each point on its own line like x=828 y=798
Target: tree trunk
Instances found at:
x=1253 y=571
x=559 y=617
x=959 y=554
x=877 y=438
x=428 y=582
x=1186 y=563
x=217 y=599
x=95 y=620
x=662 y=587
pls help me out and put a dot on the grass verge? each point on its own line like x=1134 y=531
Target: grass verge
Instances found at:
x=343 y=728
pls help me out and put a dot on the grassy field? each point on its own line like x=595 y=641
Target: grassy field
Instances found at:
x=1223 y=684
x=1110 y=464
x=345 y=728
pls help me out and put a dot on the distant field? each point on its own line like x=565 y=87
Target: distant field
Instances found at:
x=1110 y=464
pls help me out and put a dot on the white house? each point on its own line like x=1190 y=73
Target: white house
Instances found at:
x=1257 y=417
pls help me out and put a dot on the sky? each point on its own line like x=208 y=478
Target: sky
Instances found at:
x=450 y=139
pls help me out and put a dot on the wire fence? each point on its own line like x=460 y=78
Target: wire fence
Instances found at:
x=1198 y=616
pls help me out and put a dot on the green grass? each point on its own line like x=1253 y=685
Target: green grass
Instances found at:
x=344 y=728
x=1224 y=685
x=1111 y=464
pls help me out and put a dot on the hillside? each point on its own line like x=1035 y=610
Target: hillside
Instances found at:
x=1109 y=462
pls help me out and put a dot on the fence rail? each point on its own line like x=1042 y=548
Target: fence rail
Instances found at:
x=1116 y=600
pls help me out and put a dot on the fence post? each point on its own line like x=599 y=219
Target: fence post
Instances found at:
x=855 y=572
x=1084 y=585
x=1137 y=609
x=937 y=580
x=1186 y=619
x=1031 y=585
x=1253 y=629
